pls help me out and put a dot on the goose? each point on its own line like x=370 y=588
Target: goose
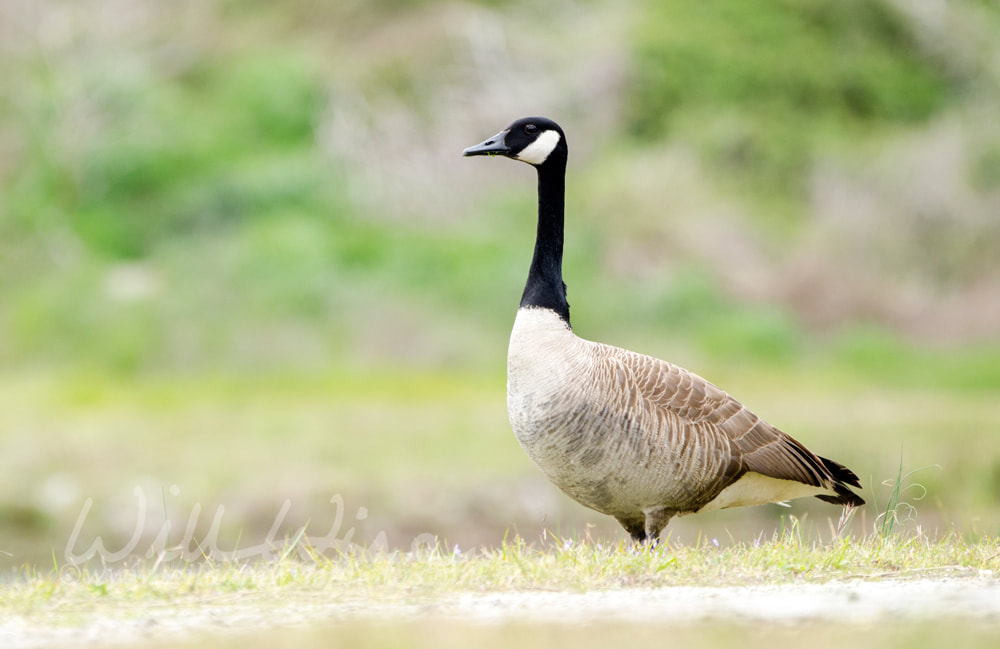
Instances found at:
x=622 y=433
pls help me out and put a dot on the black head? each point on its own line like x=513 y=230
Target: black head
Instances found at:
x=534 y=140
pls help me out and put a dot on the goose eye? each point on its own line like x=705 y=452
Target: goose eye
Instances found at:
x=530 y=128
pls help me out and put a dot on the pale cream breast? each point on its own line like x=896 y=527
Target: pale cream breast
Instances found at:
x=577 y=413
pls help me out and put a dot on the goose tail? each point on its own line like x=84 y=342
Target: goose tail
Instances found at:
x=843 y=479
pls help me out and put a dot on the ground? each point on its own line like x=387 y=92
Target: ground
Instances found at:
x=967 y=602
x=878 y=592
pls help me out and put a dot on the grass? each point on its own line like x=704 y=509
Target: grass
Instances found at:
x=424 y=452
x=514 y=565
x=307 y=590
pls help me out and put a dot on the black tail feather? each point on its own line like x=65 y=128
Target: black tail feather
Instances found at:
x=843 y=478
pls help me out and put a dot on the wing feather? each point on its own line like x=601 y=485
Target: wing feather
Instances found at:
x=727 y=429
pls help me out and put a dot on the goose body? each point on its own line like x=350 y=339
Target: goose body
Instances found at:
x=622 y=433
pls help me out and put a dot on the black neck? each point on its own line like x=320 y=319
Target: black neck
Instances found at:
x=545 y=287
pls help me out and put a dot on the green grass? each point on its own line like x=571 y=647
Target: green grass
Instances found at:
x=300 y=589
x=513 y=565
x=430 y=453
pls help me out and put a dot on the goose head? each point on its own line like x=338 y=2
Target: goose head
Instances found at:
x=535 y=140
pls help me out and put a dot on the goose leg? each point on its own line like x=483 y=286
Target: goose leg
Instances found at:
x=636 y=527
x=656 y=519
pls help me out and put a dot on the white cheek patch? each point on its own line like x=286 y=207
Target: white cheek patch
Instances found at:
x=538 y=151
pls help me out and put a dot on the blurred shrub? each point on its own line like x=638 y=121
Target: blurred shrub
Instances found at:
x=758 y=85
x=727 y=330
x=874 y=353
x=246 y=161
x=985 y=173
x=225 y=141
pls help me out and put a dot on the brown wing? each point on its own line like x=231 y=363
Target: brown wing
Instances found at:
x=755 y=444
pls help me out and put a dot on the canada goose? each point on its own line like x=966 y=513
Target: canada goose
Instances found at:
x=625 y=434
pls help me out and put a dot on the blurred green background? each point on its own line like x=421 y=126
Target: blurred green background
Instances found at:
x=242 y=261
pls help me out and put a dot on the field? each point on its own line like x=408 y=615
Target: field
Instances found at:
x=160 y=516
x=889 y=590
x=254 y=310
x=432 y=454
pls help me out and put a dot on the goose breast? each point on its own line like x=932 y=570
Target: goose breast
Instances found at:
x=591 y=417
